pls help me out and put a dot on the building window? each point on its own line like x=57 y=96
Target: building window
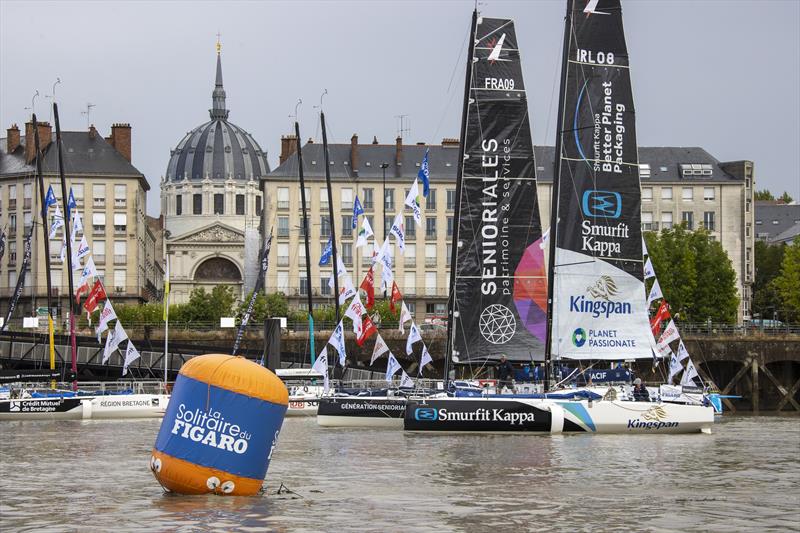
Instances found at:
x=347 y=253
x=120 y=223
x=27 y=191
x=449 y=226
x=430 y=255
x=12 y=255
x=98 y=195
x=430 y=203
x=708 y=220
x=303 y=285
x=644 y=170
x=410 y=283
x=98 y=250
x=283 y=198
x=430 y=227
x=708 y=193
x=77 y=192
x=411 y=228
x=647 y=221
x=666 y=220
x=410 y=257
x=451 y=199
x=300 y=197
x=323 y=198
x=240 y=204
x=687 y=194
x=283 y=254
x=388 y=220
x=324 y=288
x=283 y=282
x=687 y=218
x=324 y=226
x=430 y=283
x=369 y=201
x=666 y=193
x=347 y=198
x=388 y=200
x=449 y=256
x=12 y=276
x=12 y=224
x=347 y=225
x=12 y=196
x=219 y=204
x=98 y=223
x=27 y=219
x=120 y=280
x=197 y=204
x=647 y=194
x=120 y=252
x=258 y=206
x=179 y=204
x=120 y=195
x=283 y=226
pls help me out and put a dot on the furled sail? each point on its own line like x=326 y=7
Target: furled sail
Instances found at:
x=500 y=277
x=598 y=306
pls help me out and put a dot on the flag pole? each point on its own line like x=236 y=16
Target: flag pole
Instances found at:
x=166 y=322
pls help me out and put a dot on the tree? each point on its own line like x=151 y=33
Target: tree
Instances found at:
x=785 y=198
x=768 y=259
x=787 y=283
x=674 y=259
x=764 y=196
x=204 y=306
x=269 y=306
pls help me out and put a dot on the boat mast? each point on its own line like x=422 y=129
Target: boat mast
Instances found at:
x=65 y=200
x=548 y=349
x=46 y=242
x=331 y=221
x=306 y=235
x=451 y=314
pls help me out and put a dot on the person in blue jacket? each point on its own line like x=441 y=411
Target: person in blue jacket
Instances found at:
x=505 y=375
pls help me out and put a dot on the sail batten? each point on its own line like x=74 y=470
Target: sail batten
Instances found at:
x=598 y=281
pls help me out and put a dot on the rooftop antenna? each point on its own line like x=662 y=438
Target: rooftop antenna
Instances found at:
x=88 y=114
x=53 y=97
x=405 y=125
x=32 y=108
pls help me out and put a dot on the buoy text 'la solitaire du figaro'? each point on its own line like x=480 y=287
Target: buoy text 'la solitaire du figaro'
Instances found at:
x=220 y=428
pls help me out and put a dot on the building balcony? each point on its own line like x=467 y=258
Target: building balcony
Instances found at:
x=120 y=259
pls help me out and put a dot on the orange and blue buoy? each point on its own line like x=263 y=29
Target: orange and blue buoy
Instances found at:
x=220 y=428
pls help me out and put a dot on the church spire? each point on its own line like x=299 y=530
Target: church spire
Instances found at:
x=218 y=110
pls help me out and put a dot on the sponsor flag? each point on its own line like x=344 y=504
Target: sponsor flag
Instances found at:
x=347 y=290
x=88 y=272
x=166 y=290
x=689 y=374
x=395 y=297
x=77 y=225
x=106 y=315
x=655 y=293
x=50 y=198
x=661 y=315
x=26 y=261
x=413 y=336
x=341 y=270
x=326 y=253
x=405 y=381
x=683 y=353
x=425 y=359
x=392 y=366
x=357 y=210
x=354 y=312
x=405 y=316
x=63 y=247
x=58 y=221
x=399 y=231
x=321 y=366
x=260 y=280
x=97 y=293
x=337 y=341
x=83 y=248
x=663 y=349
x=368 y=329
x=368 y=286
x=131 y=355
x=383 y=253
x=675 y=367
x=71 y=203
x=648 y=270
x=379 y=349
x=113 y=340
x=412 y=201
x=670 y=334
x=644 y=247
x=424 y=174
x=364 y=233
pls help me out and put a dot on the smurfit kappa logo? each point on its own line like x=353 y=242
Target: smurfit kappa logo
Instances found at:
x=425 y=413
x=579 y=337
x=601 y=204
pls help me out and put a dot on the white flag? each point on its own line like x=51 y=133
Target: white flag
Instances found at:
x=88 y=272
x=83 y=248
x=545 y=238
x=655 y=293
x=399 y=231
x=412 y=201
x=379 y=349
x=426 y=357
x=347 y=290
x=377 y=251
x=663 y=349
x=683 y=353
x=131 y=355
x=354 y=312
x=321 y=367
x=364 y=233
x=405 y=381
x=58 y=221
x=387 y=277
x=392 y=366
x=77 y=225
x=106 y=315
x=413 y=336
x=670 y=333
x=648 y=270
x=63 y=247
x=689 y=374
x=337 y=340
x=644 y=247
x=675 y=367
x=113 y=340
x=405 y=316
x=341 y=270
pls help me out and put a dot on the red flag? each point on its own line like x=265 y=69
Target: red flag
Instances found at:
x=83 y=288
x=368 y=285
x=661 y=315
x=368 y=329
x=96 y=295
x=396 y=296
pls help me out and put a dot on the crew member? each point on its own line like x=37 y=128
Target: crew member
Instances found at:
x=640 y=393
x=505 y=375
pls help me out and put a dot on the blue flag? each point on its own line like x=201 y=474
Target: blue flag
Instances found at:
x=357 y=210
x=326 y=254
x=71 y=203
x=50 y=199
x=424 y=175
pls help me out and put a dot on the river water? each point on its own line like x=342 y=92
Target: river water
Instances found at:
x=94 y=476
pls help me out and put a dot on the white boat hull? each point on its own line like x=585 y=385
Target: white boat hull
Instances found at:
x=85 y=407
x=362 y=411
x=302 y=406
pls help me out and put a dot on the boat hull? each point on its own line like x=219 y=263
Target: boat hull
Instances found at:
x=302 y=406
x=526 y=415
x=85 y=407
x=357 y=411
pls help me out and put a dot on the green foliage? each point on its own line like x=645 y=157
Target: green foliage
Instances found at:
x=695 y=274
x=204 y=306
x=768 y=259
x=785 y=198
x=787 y=284
x=764 y=195
x=269 y=306
x=150 y=313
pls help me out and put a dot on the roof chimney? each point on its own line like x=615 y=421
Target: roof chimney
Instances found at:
x=398 y=158
x=92 y=132
x=30 y=149
x=374 y=139
x=288 y=147
x=121 y=139
x=354 y=151
x=12 y=139
x=450 y=141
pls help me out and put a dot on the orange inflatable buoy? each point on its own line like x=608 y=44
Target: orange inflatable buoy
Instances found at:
x=220 y=428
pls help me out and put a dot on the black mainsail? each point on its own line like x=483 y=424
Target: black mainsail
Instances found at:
x=499 y=272
x=598 y=309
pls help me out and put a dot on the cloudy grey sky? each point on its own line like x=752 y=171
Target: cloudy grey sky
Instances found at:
x=721 y=74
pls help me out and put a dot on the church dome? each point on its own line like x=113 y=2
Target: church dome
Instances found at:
x=218 y=149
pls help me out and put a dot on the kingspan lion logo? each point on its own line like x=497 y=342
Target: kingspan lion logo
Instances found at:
x=605 y=288
x=655 y=413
